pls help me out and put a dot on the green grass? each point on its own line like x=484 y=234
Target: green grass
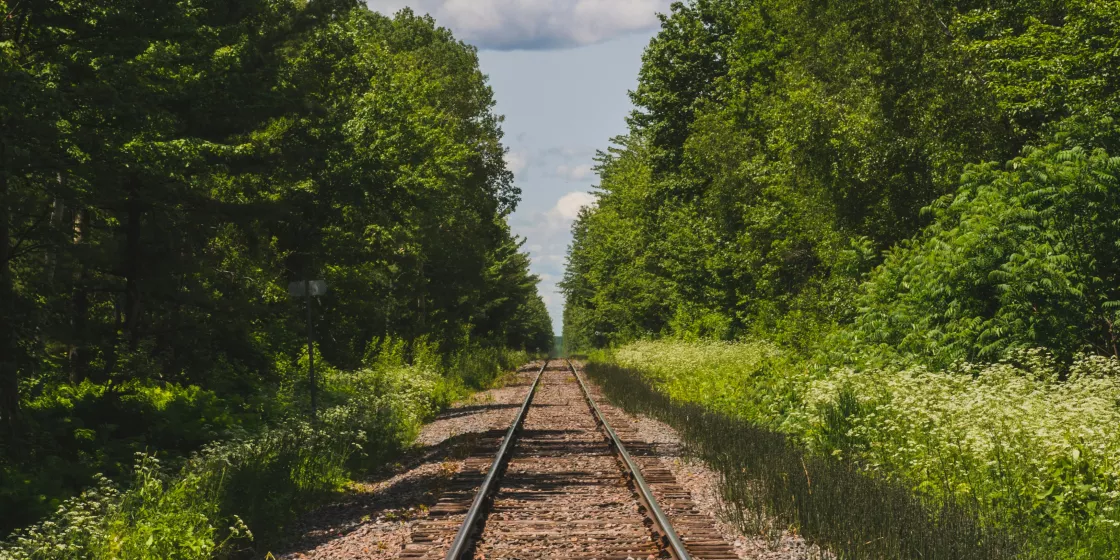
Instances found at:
x=769 y=484
x=234 y=496
x=1024 y=444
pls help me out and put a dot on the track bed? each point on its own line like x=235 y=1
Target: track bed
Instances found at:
x=563 y=490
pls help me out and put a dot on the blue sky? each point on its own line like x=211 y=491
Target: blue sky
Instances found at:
x=560 y=70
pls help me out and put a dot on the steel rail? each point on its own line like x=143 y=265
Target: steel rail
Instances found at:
x=463 y=541
x=664 y=526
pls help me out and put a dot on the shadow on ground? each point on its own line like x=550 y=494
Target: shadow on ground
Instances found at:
x=402 y=494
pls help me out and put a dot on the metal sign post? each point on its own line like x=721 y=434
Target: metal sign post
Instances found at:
x=308 y=289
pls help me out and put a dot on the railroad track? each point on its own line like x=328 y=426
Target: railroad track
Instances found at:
x=567 y=481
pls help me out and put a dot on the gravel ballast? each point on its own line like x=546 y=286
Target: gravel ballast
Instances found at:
x=376 y=518
x=703 y=483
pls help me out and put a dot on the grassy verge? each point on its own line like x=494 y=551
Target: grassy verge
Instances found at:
x=234 y=496
x=1021 y=445
x=766 y=479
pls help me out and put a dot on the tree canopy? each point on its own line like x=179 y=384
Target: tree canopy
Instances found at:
x=908 y=169
x=168 y=167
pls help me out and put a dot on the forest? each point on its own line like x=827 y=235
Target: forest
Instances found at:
x=888 y=230
x=167 y=169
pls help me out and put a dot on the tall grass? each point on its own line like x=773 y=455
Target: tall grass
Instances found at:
x=766 y=479
x=1027 y=444
x=208 y=505
x=234 y=497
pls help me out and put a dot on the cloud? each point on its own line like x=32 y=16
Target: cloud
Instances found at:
x=535 y=24
x=569 y=205
x=550 y=229
x=568 y=152
x=517 y=162
x=565 y=162
x=551 y=233
x=551 y=260
x=568 y=163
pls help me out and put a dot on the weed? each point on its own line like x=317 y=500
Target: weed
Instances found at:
x=235 y=494
x=1014 y=443
x=766 y=478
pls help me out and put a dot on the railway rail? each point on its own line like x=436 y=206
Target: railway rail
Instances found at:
x=567 y=481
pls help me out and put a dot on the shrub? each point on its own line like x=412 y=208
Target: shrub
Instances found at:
x=1023 y=255
x=76 y=431
x=235 y=495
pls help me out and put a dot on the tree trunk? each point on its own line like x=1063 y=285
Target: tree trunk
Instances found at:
x=9 y=373
x=133 y=258
x=58 y=209
x=79 y=309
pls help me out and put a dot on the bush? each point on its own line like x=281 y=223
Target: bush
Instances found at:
x=1023 y=255
x=76 y=431
x=234 y=496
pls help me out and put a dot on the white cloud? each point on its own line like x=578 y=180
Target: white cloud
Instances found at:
x=535 y=24
x=517 y=162
x=551 y=231
x=569 y=205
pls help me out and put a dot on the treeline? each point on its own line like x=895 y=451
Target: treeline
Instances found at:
x=906 y=215
x=933 y=177
x=168 y=167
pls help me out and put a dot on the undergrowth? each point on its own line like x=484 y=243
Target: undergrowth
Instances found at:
x=1025 y=444
x=233 y=497
x=769 y=484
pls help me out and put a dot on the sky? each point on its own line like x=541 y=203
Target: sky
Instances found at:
x=561 y=71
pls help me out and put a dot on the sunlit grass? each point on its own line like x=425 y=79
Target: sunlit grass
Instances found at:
x=768 y=485
x=1024 y=444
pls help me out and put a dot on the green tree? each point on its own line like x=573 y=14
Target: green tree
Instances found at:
x=787 y=145
x=1024 y=255
x=169 y=167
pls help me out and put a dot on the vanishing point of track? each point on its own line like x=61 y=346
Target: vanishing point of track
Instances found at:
x=564 y=484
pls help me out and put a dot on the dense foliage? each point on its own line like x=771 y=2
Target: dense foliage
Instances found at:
x=906 y=214
x=233 y=497
x=1019 y=257
x=781 y=148
x=168 y=167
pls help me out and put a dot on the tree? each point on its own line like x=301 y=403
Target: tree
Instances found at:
x=785 y=146
x=169 y=167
